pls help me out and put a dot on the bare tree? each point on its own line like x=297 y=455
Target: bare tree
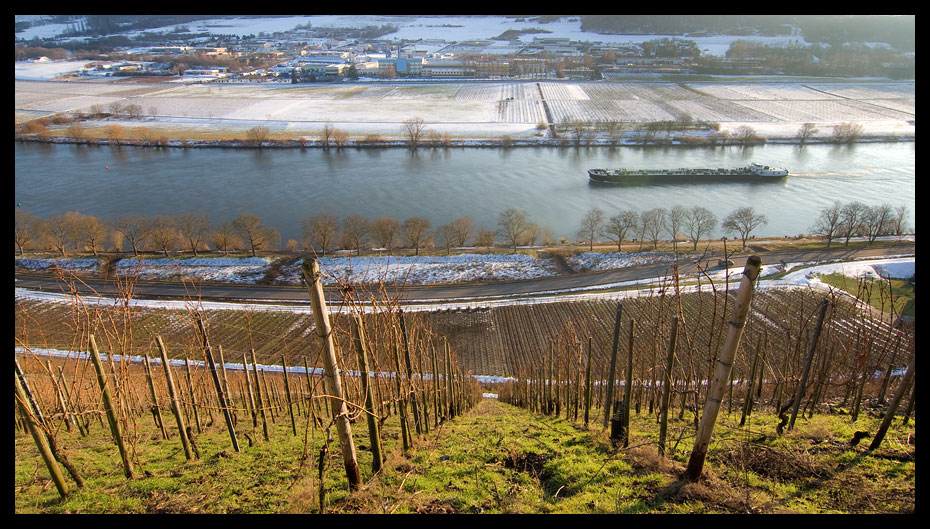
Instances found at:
x=746 y=135
x=136 y=230
x=76 y=132
x=26 y=228
x=512 y=223
x=416 y=232
x=133 y=111
x=743 y=221
x=224 y=238
x=257 y=135
x=193 y=227
x=326 y=135
x=255 y=234
x=446 y=237
x=590 y=226
x=877 y=221
x=463 y=228
x=164 y=233
x=806 y=131
x=355 y=229
x=676 y=218
x=530 y=234
x=321 y=230
x=115 y=132
x=93 y=232
x=58 y=229
x=485 y=238
x=652 y=223
x=415 y=128
x=850 y=221
x=384 y=231
x=901 y=214
x=847 y=132
x=827 y=223
x=340 y=138
x=619 y=225
x=700 y=221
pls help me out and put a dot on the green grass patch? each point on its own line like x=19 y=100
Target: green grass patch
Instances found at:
x=894 y=295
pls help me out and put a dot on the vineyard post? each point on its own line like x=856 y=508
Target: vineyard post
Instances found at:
x=219 y=385
x=723 y=367
x=423 y=398
x=261 y=400
x=374 y=434
x=887 y=377
x=148 y=375
x=807 y=364
x=110 y=411
x=38 y=435
x=402 y=401
x=226 y=390
x=287 y=392
x=587 y=382
x=437 y=397
x=81 y=424
x=311 y=273
x=451 y=394
x=667 y=385
x=248 y=386
x=190 y=388
x=628 y=390
x=747 y=400
x=173 y=394
x=910 y=406
x=609 y=397
x=269 y=395
x=59 y=396
x=889 y=413
x=558 y=378
x=413 y=392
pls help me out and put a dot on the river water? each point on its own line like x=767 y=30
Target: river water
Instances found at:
x=282 y=186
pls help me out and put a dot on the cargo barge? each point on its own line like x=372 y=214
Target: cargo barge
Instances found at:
x=753 y=173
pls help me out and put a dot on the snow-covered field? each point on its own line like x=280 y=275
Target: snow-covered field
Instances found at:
x=611 y=261
x=233 y=270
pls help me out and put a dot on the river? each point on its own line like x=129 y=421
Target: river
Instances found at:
x=282 y=186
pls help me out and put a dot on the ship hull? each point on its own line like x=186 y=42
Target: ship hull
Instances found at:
x=602 y=177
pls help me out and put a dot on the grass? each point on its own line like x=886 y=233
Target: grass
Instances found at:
x=875 y=292
x=494 y=459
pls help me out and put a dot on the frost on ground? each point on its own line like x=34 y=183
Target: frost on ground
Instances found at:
x=80 y=264
x=232 y=270
x=408 y=270
x=589 y=261
x=421 y=270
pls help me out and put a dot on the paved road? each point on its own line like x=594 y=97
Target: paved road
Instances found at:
x=161 y=290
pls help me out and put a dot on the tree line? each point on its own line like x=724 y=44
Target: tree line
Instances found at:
x=840 y=221
x=324 y=232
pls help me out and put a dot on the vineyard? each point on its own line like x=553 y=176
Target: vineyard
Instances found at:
x=803 y=352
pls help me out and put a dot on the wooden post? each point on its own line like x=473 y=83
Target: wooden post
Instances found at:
x=190 y=388
x=81 y=424
x=404 y=427
x=220 y=394
x=807 y=365
x=287 y=392
x=38 y=435
x=889 y=413
x=723 y=368
x=251 y=394
x=587 y=383
x=628 y=390
x=173 y=394
x=148 y=375
x=226 y=390
x=261 y=400
x=667 y=385
x=374 y=433
x=311 y=272
x=609 y=396
x=747 y=400
x=110 y=411
x=413 y=393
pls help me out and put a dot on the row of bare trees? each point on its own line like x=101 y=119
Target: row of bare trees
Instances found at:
x=696 y=222
x=76 y=232
x=856 y=219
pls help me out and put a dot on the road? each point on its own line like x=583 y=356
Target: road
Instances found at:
x=503 y=289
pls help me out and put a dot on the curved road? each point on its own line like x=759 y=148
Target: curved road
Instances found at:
x=270 y=293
